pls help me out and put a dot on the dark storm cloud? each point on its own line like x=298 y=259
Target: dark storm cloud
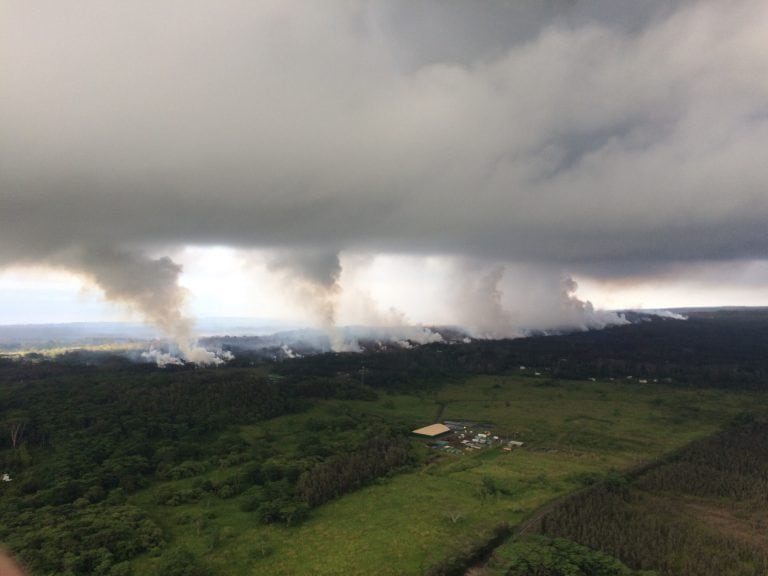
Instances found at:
x=574 y=134
x=435 y=31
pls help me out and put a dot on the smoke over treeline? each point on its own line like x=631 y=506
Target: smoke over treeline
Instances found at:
x=523 y=143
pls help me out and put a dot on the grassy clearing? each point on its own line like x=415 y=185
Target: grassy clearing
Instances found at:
x=406 y=523
x=573 y=431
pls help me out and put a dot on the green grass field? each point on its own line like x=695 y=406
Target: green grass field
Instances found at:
x=572 y=431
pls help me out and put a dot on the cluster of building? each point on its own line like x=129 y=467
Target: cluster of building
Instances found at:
x=456 y=437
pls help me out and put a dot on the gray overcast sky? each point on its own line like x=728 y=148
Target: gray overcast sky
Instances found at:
x=612 y=139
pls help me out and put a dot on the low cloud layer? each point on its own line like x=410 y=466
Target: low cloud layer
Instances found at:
x=599 y=138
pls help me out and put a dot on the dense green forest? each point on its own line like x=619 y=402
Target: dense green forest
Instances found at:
x=117 y=468
x=78 y=440
x=542 y=556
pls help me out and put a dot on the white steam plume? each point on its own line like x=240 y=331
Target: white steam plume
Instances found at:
x=388 y=324
x=494 y=301
x=580 y=314
x=665 y=314
x=162 y=359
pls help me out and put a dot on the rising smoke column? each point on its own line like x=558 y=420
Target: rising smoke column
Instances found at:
x=478 y=301
x=311 y=276
x=148 y=286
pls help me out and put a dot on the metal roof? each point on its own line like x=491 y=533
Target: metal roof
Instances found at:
x=432 y=430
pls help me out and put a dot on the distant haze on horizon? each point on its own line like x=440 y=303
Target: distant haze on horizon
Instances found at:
x=497 y=165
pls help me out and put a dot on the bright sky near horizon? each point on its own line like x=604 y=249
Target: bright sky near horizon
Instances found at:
x=499 y=165
x=220 y=284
